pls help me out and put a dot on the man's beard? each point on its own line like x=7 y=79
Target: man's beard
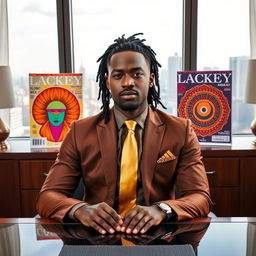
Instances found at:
x=130 y=107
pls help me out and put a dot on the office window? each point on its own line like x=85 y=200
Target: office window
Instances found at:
x=97 y=23
x=33 y=49
x=223 y=44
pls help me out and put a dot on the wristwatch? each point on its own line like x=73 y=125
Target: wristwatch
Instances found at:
x=166 y=209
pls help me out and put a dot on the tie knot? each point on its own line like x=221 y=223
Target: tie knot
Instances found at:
x=130 y=124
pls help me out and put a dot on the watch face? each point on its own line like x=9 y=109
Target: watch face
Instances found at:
x=165 y=207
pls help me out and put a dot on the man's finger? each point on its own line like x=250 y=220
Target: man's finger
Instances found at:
x=117 y=218
x=147 y=226
x=128 y=217
x=141 y=224
x=108 y=218
x=135 y=221
x=104 y=224
x=98 y=228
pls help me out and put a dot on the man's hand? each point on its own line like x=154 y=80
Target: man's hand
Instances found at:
x=141 y=218
x=100 y=216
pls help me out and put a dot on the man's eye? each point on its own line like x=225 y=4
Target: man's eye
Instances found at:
x=117 y=76
x=138 y=74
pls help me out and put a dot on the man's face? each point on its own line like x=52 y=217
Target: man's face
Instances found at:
x=129 y=80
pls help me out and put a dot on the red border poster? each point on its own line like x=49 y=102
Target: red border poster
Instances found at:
x=205 y=98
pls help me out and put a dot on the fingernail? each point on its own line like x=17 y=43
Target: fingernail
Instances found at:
x=142 y=231
x=135 y=231
x=118 y=228
x=103 y=232
x=128 y=230
x=111 y=230
x=120 y=222
x=123 y=229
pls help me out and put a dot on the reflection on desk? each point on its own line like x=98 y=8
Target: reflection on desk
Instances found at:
x=236 y=236
x=165 y=234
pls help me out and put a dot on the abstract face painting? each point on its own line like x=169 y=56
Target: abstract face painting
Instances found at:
x=56 y=113
x=55 y=108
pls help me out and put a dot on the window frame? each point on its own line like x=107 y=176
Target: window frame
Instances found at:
x=66 y=45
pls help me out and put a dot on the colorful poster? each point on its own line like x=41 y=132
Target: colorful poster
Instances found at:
x=205 y=98
x=55 y=102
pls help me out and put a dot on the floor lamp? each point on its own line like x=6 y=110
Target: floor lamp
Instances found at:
x=6 y=101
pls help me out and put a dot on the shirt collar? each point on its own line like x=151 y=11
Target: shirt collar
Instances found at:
x=121 y=118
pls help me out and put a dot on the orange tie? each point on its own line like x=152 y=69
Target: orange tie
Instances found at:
x=129 y=169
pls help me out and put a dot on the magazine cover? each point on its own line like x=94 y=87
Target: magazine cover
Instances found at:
x=205 y=98
x=55 y=102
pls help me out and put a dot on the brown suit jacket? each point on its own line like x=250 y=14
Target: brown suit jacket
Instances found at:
x=90 y=150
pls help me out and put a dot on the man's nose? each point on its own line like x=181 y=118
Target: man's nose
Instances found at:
x=127 y=81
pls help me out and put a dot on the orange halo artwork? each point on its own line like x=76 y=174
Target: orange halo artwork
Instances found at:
x=55 y=109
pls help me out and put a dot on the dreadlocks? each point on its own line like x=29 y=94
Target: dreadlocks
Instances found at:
x=128 y=44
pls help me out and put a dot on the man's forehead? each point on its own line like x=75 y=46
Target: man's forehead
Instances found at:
x=128 y=57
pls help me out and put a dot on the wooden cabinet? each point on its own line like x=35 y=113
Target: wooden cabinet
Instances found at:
x=32 y=176
x=223 y=177
x=9 y=188
x=231 y=173
x=248 y=187
x=22 y=173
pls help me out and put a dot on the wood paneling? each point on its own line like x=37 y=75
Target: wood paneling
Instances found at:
x=225 y=200
x=28 y=203
x=223 y=171
x=9 y=189
x=33 y=173
x=248 y=187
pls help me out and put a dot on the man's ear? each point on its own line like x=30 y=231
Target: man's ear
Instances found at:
x=107 y=82
x=151 y=79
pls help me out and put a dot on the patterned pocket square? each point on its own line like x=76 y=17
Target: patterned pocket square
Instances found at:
x=167 y=156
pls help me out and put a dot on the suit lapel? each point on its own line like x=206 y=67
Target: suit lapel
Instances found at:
x=152 y=141
x=107 y=137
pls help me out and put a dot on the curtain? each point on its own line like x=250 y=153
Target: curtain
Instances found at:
x=253 y=28
x=4 y=44
x=4 y=48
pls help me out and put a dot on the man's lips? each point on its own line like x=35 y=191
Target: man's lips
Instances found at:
x=127 y=93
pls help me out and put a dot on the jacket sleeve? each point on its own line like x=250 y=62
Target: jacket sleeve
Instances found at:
x=54 y=200
x=191 y=181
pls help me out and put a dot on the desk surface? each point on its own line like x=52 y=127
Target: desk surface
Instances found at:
x=216 y=236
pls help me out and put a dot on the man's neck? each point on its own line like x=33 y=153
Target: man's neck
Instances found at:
x=131 y=114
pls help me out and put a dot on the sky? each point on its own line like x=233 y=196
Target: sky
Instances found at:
x=223 y=31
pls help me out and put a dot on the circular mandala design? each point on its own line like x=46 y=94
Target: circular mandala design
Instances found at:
x=206 y=107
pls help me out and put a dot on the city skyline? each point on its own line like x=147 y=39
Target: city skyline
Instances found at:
x=168 y=85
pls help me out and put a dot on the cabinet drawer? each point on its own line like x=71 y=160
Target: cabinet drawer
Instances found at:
x=28 y=203
x=226 y=201
x=33 y=172
x=222 y=172
x=9 y=189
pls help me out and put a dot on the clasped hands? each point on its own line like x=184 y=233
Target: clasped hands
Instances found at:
x=105 y=219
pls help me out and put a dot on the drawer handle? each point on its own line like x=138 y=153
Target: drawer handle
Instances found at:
x=210 y=172
x=45 y=174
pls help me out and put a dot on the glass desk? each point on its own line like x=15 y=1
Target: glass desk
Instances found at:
x=208 y=236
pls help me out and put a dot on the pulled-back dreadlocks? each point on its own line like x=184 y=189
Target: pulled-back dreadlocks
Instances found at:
x=128 y=44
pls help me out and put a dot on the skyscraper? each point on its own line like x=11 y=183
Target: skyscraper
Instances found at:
x=174 y=65
x=242 y=113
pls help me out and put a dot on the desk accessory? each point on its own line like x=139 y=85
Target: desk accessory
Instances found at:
x=6 y=101
x=250 y=90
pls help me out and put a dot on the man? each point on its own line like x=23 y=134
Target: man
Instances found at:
x=132 y=157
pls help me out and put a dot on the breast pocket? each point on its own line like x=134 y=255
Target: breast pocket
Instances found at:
x=166 y=169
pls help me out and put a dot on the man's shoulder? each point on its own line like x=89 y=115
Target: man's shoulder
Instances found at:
x=88 y=121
